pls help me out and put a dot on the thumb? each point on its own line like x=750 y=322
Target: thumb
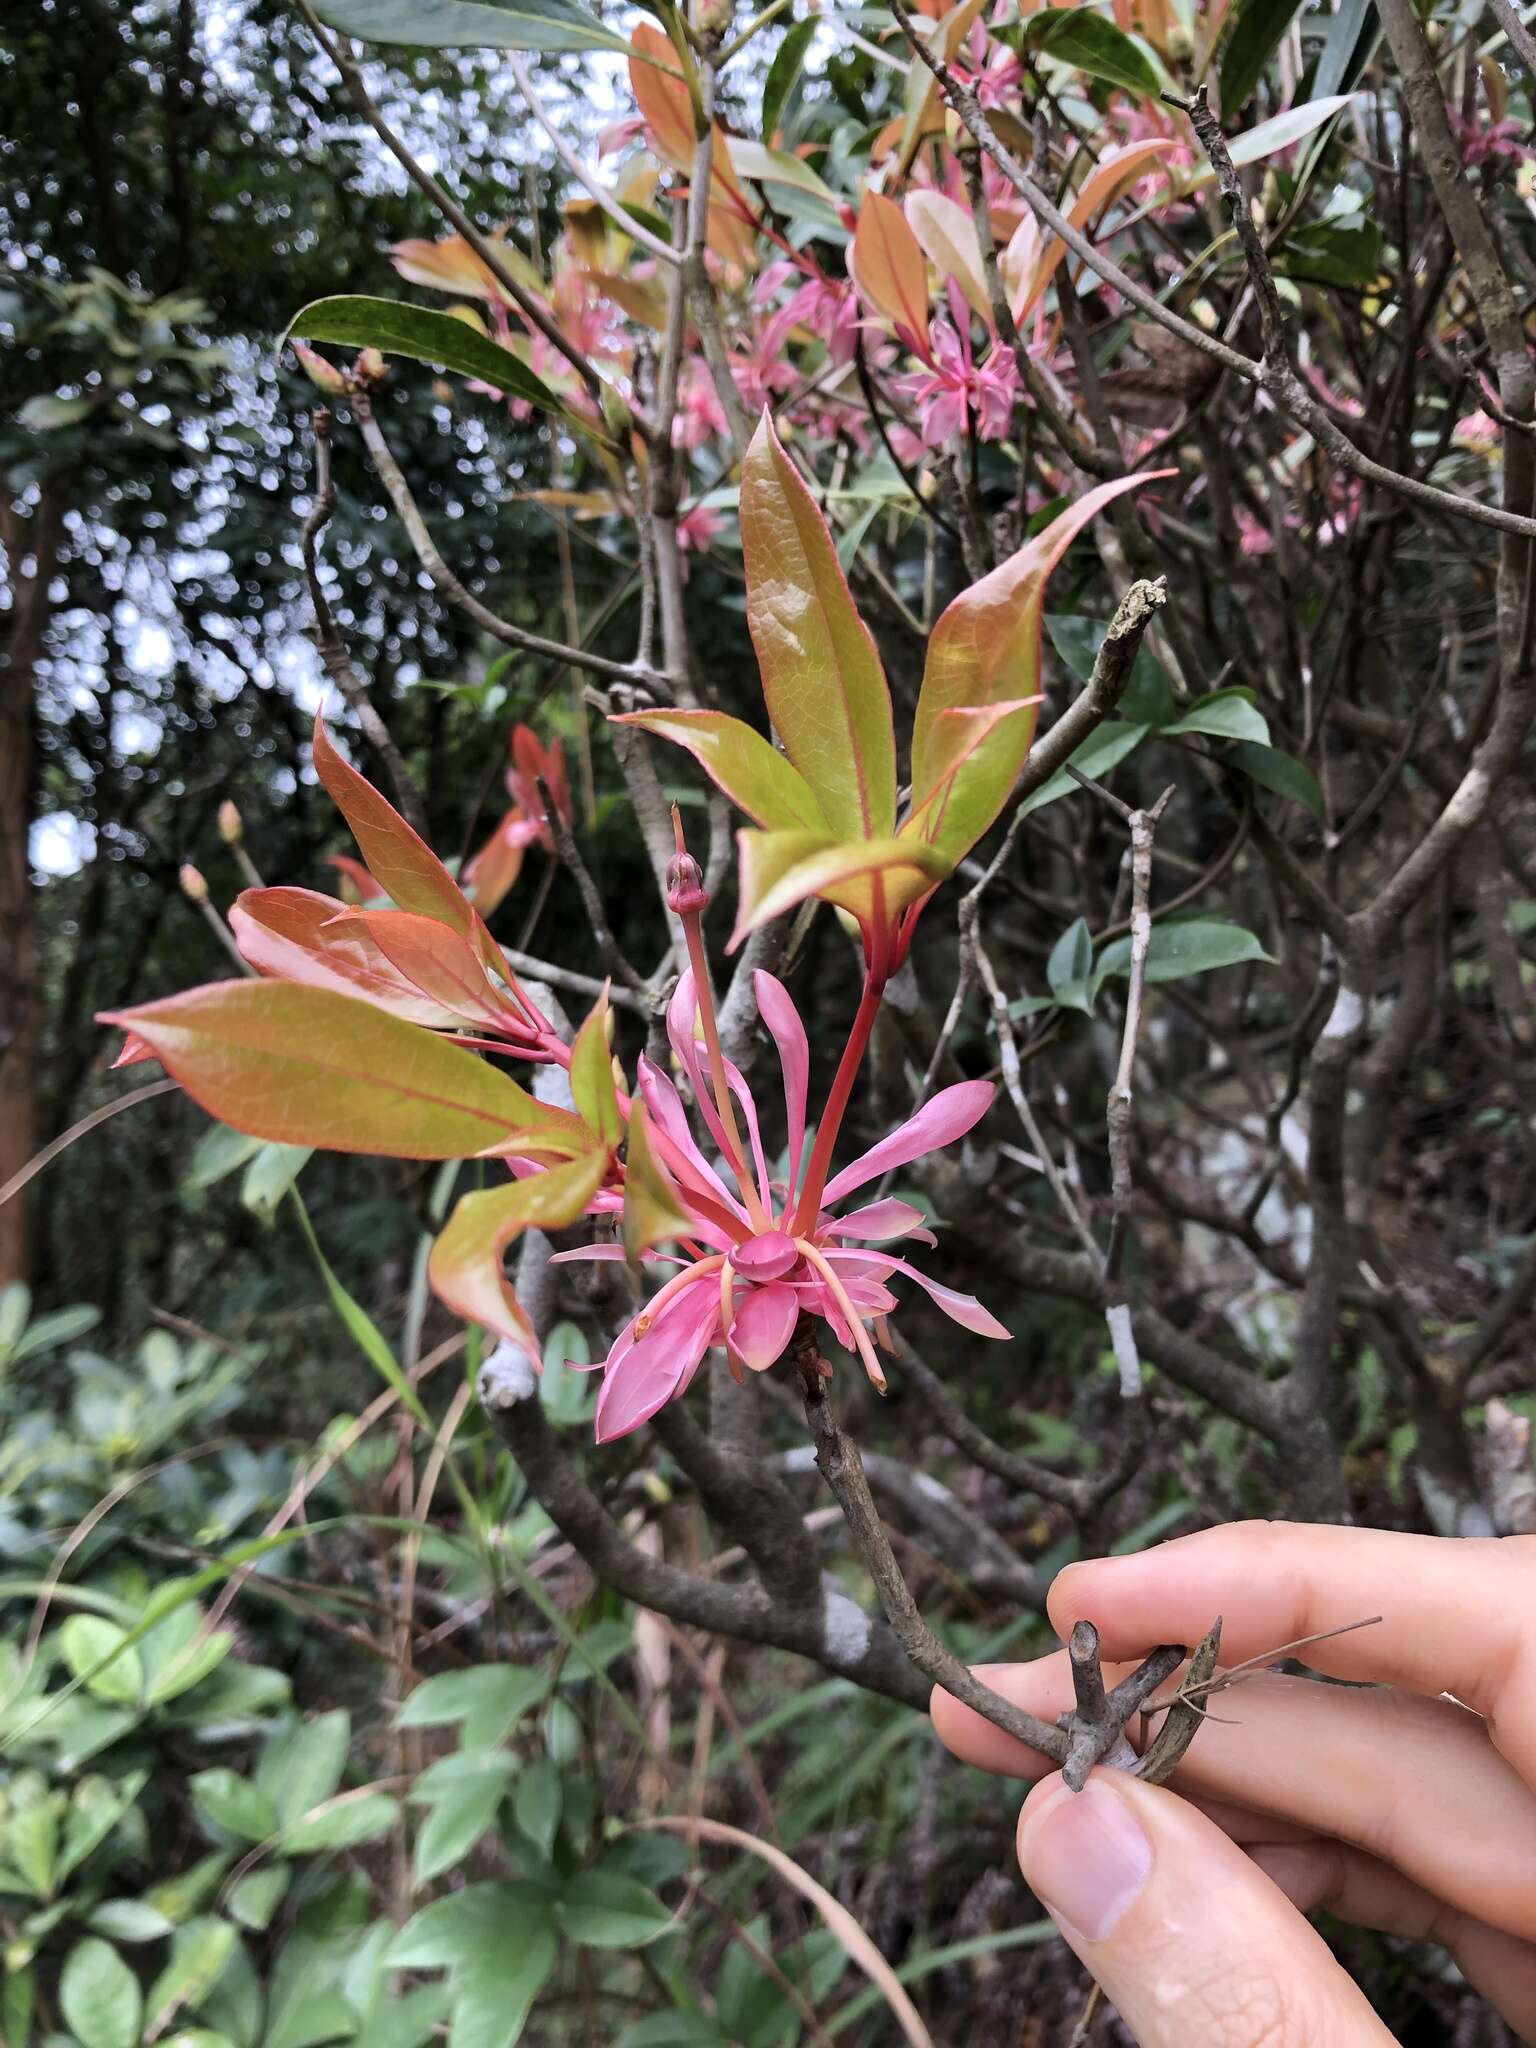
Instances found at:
x=1192 y=1943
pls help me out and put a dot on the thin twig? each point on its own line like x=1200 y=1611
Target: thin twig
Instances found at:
x=334 y=658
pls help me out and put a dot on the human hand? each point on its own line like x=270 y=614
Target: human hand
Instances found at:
x=1397 y=1807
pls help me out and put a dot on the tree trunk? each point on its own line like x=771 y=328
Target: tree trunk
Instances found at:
x=31 y=540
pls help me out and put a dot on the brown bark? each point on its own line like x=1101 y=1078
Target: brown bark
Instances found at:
x=31 y=540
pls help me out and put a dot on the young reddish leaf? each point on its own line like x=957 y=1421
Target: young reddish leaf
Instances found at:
x=888 y=270
x=465 y=1263
x=661 y=94
x=984 y=651
x=402 y=863
x=307 y=1066
x=439 y=962
x=822 y=677
x=780 y=869
x=1109 y=177
x=592 y=1088
x=653 y=1209
x=354 y=876
x=300 y=935
x=491 y=873
x=134 y=1052
x=740 y=762
x=948 y=236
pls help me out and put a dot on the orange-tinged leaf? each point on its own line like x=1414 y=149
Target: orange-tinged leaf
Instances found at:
x=653 y=1209
x=301 y=935
x=822 y=677
x=439 y=962
x=994 y=737
x=752 y=773
x=866 y=877
x=402 y=863
x=985 y=650
x=465 y=1263
x=661 y=94
x=1109 y=177
x=924 y=109
x=885 y=261
x=948 y=237
x=363 y=887
x=307 y=1066
x=494 y=869
x=592 y=1088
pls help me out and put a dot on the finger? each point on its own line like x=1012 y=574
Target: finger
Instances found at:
x=1190 y=1940
x=1367 y=1893
x=1454 y=1610
x=1412 y=1781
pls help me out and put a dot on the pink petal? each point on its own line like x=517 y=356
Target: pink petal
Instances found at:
x=764 y=1323
x=613 y=1251
x=951 y=1113
x=689 y=1050
x=689 y=1166
x=768 y=1256
x=883 y=1220
x=646 y=1375
x=963 y=1309
x=776 y=1008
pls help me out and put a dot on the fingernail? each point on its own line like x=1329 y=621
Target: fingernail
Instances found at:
x=1087 y=1857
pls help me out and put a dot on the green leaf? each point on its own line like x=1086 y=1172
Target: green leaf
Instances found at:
x=301 y=1765
x=1194 y=946
x=131 y=1920
x=609 y=1909
x=199 y=1952
x=463 y=1793
x=1331 y=252
x=99 y=1654
x=497 y=1942
x=740 y=762
x=1283 y=773
x=591 y=1075
x=1070 y=965
x=340 y=1823
x=784 y=73
x=489 y=1699
x=1148 y=699
x=470 y=24
x=822 y=677
x=100 y=1997
x=537 y=1803
x=1101 y=751
x=678 y=2029
x=426 y=336
x=190 y=1664
x=1090 y=42
x=567 y=1393
x=47 y=1333
x=1257 y=31
x=254 y=1898
x=1225 y=714
x=270 y=1175
x=223 y=1800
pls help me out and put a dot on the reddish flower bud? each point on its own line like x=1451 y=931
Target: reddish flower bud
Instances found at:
x=193 y=887
x=231 y=830
x=686 y=893
x=322 y=374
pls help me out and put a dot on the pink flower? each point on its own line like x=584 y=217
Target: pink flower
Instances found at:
x=1479 y=433
x=1482 y=143
x=698 y=530
x=700 y=415
x=752 y=1264
x=829 y=309
x=953 y=386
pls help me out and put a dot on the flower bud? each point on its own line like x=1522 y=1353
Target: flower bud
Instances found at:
x=193 y=887
x=231 y=831
x=370 y=367
x=323 y=375
x=686 y=893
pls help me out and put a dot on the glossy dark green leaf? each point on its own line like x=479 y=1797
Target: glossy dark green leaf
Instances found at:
x=1195 y=945
x=1090 y=42
x=1101 y=751
x=1274 y=769
x=470 y=24
x=1224 y=715
x=1256 y=34
x=1331 y=252
x=784 y=73
x=426 y=336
